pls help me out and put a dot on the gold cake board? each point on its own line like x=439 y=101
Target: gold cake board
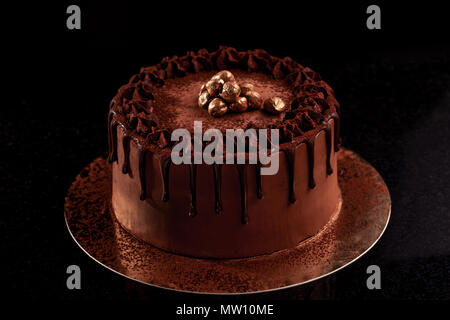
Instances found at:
x=352 y=232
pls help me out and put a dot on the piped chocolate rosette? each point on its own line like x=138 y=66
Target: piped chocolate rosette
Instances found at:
x=222 y=94
x=137 y=109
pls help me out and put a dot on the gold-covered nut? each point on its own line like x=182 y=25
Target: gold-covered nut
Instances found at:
x=203 y=88
x=247 y=87
x=230 y=91
x=217 y=108
x=214 y=87
x=274 y=105
x=203 y=99
x=224 y=75
x=240 y=105
x=254 y=100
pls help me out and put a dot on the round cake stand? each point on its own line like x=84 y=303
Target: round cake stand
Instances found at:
x=351 y=233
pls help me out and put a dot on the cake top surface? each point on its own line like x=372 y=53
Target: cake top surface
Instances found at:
x=178 y=106
x=162 y=98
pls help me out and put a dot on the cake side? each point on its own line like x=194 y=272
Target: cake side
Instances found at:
x=237 y=212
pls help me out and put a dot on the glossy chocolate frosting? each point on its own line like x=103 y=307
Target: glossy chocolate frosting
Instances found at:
x=162 y=98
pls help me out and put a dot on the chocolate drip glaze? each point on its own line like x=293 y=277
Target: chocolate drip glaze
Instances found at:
x=110 y=116
x=113 y=138
x=193 y=188
x=217 y=171
x=328 y=143
x=337 y=126
x=164 y=166
x=310 y=150
x=290 y=157
x=126 y=154
x=142 y=173
x=166 y=162
x=259 y=192
x=310 y=143
x=243 y=187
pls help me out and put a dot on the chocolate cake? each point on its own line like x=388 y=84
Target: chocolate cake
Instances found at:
x=223 y=210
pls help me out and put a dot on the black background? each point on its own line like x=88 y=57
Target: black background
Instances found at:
x=393 y=85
